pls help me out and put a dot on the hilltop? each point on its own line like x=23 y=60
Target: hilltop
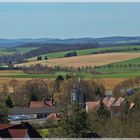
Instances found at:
x=6 y=43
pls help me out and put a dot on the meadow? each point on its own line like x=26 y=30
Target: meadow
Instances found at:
x=90 y=51
x=11 y=51
x=112 y=67
x=86 y=60
x=109 y=80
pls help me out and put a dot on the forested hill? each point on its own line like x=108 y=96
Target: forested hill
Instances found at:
x=6 y=43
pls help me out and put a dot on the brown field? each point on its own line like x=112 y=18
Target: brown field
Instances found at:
x=109 y=83
x=9 y=72
x=7 y=80
x=86 y=60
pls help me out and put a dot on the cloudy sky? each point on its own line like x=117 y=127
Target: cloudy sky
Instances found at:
x=67 y=20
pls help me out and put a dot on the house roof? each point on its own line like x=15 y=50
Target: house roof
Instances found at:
x=95 y=104
x=119 y=101
x=132 y=105
x=44 y=103
x=92 y=105
x=18 y=131
x=37 y=104
x=108 y=101
x=4 y=126
x=26 y=111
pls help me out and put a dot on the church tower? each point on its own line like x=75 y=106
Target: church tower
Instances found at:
x=77 y=95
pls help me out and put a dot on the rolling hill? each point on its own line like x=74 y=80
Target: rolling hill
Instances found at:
x=7 y=43
x=86 y=60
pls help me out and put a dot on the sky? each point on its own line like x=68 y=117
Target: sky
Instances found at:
x=69 y=20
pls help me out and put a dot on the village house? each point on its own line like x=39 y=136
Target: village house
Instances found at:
x=30 y=113
x=112 y=104
x=36 y=110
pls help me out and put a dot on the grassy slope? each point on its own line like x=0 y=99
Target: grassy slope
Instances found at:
x=135 y=61
x=4 y=51
x=132 y=61
x=118 y=72
x=89 y=51
x=83 y=75
x=23 y=50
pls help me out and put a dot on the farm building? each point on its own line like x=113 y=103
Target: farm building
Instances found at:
x=31 y=113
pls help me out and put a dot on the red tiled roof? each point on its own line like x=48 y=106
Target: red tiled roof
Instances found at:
x=108 y=101
x=4 y=126
x=48 y=102
x=45 y=103
x=17 y=133
x=92 y=105
x=119 y=101
x=95 y=104
x=37 y=104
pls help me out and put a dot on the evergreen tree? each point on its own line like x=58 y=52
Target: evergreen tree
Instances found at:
x=33 y=97
x=68 y=76
x=9 y=102
x=74 y=122
x=59 y=78
x=58 y=82
x=125 y=112
x=46 y=57
x=39 y=58
x=102 y=111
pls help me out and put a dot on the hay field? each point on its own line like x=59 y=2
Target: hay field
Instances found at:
x=109 y=83
x=86 y=60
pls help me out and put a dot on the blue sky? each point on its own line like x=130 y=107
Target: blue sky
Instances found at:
x=67 y=20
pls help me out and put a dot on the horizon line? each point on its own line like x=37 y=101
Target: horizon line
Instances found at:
x=67 y=37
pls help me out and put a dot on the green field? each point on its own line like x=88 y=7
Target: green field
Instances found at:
x=4 y=51
x=24 y=50
x=11 y=51
x=92 y=51
x=82 y=75
x=132 y=61
x=115 y=70
x=128 y=66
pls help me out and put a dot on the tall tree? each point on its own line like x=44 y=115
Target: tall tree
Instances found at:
x=38 y=87
x=58 y=82
x=39 y=58
x=102 y=111
x=9 y=102
x=73 y=122
x=33 y=97
x=46 y=57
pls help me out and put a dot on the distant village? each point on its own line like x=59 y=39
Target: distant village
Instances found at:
x=44 y=110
